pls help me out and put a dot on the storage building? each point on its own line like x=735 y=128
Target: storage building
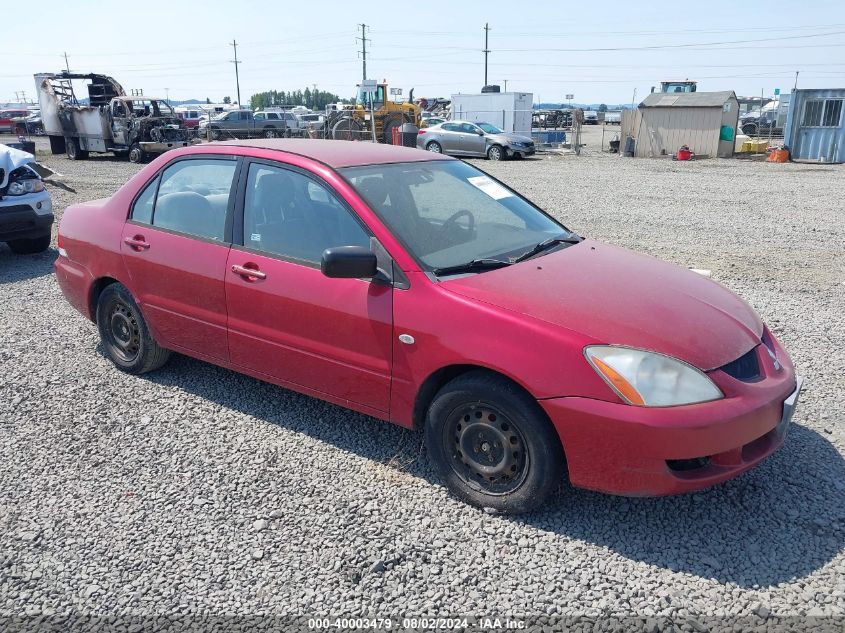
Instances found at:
x=815 y=128
x=511 y=111
x=703 y=121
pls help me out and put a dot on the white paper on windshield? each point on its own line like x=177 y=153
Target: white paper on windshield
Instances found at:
x=490 y=187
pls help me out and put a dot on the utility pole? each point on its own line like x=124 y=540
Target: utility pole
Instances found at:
x=795 y=87
x=486 y=49
x=363 y=50
x=237 y=79
x=67 y=65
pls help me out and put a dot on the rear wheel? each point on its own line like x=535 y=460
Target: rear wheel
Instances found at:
x=434 y=146
x=30 y=246
x=73 y=151
x=269 y=132
x=124 y=333
x=347 y=129
x=495 y=153
x=493 y=444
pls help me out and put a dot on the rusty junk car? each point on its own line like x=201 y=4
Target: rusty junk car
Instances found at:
x=107 y=120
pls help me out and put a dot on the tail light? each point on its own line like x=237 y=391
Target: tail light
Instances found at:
x=60 y=244
x=422 y=131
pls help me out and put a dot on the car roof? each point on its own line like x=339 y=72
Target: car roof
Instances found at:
x=338 y=154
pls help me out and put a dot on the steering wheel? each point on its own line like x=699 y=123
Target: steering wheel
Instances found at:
x=453 y=221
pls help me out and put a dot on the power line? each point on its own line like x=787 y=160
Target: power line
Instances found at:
x=667 y=46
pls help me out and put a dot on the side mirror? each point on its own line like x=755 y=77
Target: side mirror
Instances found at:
x=349 y=262
x=480 y=132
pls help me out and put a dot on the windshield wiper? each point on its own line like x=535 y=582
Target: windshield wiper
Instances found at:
x=546 y=244
x=476 y=265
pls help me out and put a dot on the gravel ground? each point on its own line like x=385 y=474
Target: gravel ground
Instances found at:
x=198 y=492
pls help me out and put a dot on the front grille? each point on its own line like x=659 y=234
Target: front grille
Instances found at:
x=745 y=368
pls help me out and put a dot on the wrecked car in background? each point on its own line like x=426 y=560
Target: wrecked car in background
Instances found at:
x=110 y=121
x=26 y=209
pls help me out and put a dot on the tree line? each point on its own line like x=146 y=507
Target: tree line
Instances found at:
x=314 y=99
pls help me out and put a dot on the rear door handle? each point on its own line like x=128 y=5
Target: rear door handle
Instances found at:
x=137 y=242
x=250 y=274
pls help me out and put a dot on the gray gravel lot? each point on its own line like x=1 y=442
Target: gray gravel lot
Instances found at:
x=195 y=490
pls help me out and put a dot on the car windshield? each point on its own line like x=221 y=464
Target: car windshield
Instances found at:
x=447 y=213
x=490 y=129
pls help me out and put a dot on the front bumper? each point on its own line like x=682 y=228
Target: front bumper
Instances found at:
x=639 y=451
x=160 y=147
x=513 y=150
x=25 y=217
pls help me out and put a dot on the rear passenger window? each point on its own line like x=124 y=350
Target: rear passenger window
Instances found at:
x=142 y=210
x=289 y=214
x=194 y=196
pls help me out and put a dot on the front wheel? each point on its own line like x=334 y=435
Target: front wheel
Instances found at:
x=495 y=153
x=126 y=338
x=269 y=133
x=434 y=146
x=492 y=444
x=136 y=154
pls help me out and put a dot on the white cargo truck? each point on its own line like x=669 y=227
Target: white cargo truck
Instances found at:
x=510 y=111
x=106 y=119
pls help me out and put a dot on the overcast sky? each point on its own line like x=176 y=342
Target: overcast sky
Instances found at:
x=601 y=51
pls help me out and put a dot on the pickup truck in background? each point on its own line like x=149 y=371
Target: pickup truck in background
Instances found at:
x=246 y=124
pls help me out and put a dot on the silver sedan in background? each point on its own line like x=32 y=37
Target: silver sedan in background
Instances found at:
x=464 y=138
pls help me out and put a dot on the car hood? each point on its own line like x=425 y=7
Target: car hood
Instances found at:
x=10 y=160
x=615 y=296
x=509 y=137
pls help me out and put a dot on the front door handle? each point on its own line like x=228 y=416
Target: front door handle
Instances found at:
x=249 y=272
x=138 y=243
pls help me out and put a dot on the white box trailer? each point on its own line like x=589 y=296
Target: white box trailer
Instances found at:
x=510 y=111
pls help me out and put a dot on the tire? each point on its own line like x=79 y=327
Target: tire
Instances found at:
x=136 y=154
x=495 y=152
x=125 y=335
x=30 y=246
x=216 y=134
x=347 y=129
x=72 y=149
x=387 y=128
x=749 y=129
x=435 y=147
x=481 y=415
x=269 y=132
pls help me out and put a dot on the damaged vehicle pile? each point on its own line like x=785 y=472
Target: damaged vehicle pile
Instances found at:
x=108 y=120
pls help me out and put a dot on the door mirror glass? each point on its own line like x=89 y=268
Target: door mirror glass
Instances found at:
x=349 y=262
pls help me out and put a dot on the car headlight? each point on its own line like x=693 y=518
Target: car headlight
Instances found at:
x=648 y=379
x=21 y=187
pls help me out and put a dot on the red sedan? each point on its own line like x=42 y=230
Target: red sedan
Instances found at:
x=417 y=289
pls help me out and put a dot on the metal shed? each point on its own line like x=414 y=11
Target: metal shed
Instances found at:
x=815 y=128
x=664 y=122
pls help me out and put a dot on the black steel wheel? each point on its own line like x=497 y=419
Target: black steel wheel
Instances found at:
x=485 y=449
x=126 y=338
x=493 y=444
